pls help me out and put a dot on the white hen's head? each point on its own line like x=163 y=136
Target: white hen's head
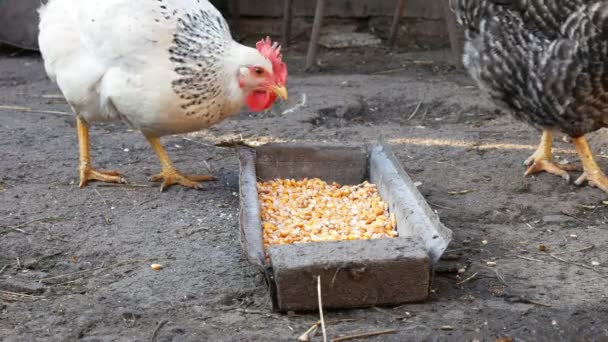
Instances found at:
x=262 y=75
x=214 y=71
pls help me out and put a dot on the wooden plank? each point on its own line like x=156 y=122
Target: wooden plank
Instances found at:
x=455 y=32
x=287 y=21
x=424 y=9
x=250 y=214
x=19 y=23
x=353 y=274
x=395 y=25
x=343 y=164
x=235 y=16
x=313 y=46
x=414 y=216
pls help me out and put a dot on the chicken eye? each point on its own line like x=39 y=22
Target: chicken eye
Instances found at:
x=258 y=71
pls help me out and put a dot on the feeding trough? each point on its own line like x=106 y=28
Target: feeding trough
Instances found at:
x=359 y=273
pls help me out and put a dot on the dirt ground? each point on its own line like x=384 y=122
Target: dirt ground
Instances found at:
x=75 y=264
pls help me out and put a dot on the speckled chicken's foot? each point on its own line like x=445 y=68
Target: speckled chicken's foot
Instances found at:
x=542 y=159
x=169 y=175
x=592 y=172
x=87 y=173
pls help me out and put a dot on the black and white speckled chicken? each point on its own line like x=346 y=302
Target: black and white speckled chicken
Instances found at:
x=162 y=66
x=546 y=61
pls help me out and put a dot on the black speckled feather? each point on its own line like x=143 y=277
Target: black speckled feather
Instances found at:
x=198 y=45
x=546 y=61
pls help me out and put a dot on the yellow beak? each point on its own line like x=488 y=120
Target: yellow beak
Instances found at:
x=281 y=92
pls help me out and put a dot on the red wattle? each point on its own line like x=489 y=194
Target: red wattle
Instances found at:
x=260 y=100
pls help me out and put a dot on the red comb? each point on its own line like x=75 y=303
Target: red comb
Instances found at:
x=272 y=51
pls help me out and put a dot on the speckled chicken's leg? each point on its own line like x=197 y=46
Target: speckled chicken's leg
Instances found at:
x=169 y=175
x=87 y=173
x=592 y=172
x=542 y=159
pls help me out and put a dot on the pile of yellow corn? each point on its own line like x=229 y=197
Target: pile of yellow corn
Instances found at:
x=312 y=210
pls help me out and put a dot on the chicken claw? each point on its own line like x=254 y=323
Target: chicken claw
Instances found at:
x=592 y=174
x=540 y=165
x=169 y=175
x=173 y=177
x=542 y=160
x=87 y=173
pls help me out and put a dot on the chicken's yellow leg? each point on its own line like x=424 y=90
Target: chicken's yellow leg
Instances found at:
x=592 y=172
x=87 y=173
x=542 y=159
x=169 y=175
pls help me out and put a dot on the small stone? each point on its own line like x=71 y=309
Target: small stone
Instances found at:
x=557 y=219
x=573 y=236
x=20 y=285
x=491 y=263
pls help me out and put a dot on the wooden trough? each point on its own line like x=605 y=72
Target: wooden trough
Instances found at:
x=353 y=274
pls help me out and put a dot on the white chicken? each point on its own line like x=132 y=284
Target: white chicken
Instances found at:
x=162 y=66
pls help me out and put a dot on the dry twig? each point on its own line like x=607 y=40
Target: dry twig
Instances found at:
x=364 y=335
x=208 y=166
x=23 y=225
x=52 y=96
x=463 y=192
x=102 y=198
x=440 y=206
x=103 y=266
x=197 y=142
x=539 y=303
x=31 y=110
x=468 y=279
x=321 y=309
x=306 y=336
x=68 y=282
x=415 y=111
x=571 y=262
x=529 y=259
x=502 y=280
x=158 y=327
x=16 y=295
x=134 y=186
x=588 y=248
x=300 y=104
x=525 y=300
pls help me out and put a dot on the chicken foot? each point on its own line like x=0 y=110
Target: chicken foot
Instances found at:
x=169 y=175
x=87 y=173
x=542 y=159
x=592 y=172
